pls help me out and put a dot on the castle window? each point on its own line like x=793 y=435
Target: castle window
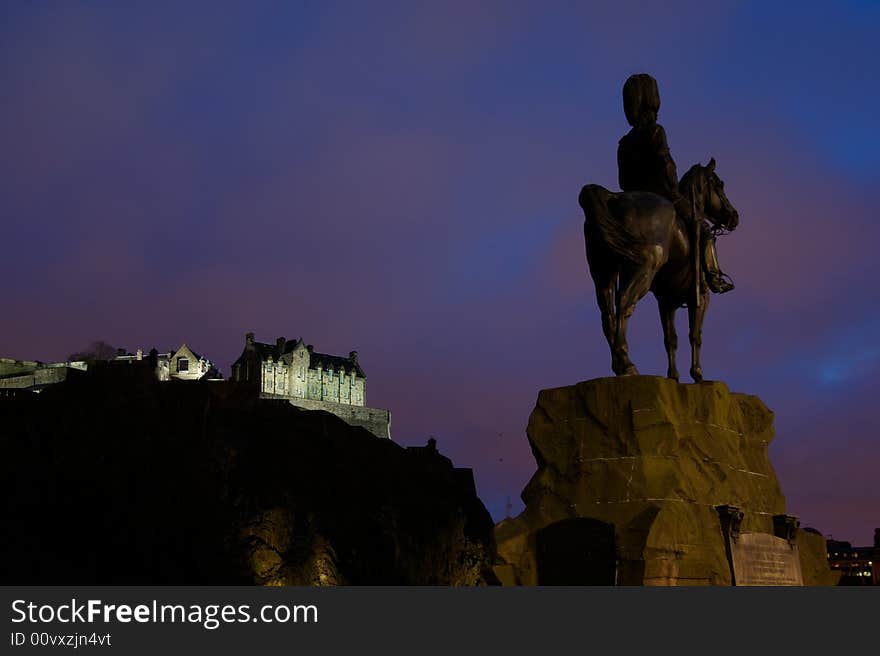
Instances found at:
x=182 y=364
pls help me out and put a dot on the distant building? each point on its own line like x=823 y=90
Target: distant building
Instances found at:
x=857 y=565
x=294 y=371
x=182 y=364
x=35 y=376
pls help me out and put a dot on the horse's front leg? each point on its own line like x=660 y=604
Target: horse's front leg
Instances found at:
x=695 y=320
x=670 y=337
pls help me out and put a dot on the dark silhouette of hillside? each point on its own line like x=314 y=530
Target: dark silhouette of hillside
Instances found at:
x=119 y=479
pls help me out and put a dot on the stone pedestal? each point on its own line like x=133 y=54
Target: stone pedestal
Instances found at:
x=653 y=459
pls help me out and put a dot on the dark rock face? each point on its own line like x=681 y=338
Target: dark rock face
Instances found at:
x=118 y=479
x=576 y=551
x=651 y=458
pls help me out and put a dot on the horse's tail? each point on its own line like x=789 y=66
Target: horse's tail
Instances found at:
x=600 y=223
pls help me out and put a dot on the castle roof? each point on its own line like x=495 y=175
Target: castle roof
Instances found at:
x=335 y=362
x=267 y=351
x=316 y=360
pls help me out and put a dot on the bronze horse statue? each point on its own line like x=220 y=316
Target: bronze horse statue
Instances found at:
x=637 y=243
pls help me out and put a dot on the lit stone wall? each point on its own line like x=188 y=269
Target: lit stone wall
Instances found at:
x=10 y=367
x=41 y=376
x=375 y=420
x=299 y=381
x=298 y=372
x=275 y=377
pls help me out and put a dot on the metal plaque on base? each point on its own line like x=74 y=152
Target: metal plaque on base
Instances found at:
x=761 y=558
x=764 y=559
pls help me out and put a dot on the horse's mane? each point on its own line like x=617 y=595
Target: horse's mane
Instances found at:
x=687 y=180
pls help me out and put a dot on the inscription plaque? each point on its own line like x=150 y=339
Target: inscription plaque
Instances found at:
x=764 y=559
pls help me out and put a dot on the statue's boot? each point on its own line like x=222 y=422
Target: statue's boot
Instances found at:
x=717 y=282
x=716 y=279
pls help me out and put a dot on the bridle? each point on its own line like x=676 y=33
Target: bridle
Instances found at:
x=717 y=229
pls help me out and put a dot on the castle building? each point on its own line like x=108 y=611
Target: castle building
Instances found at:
x=35 y=376
x=182 y=364
x=294 y=371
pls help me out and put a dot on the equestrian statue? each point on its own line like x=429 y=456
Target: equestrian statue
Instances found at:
x=657 y=235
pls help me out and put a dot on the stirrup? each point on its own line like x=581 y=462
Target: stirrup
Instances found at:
x=720 y=282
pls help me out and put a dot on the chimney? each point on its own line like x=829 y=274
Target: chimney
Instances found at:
x=310 y=348
x=279 y=346
x=249 y=339
x=353 y=356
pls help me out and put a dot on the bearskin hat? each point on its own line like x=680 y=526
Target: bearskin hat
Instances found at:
x=640 y=96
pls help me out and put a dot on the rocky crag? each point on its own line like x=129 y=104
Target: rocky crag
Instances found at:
x=630 y=471
x=118 y=479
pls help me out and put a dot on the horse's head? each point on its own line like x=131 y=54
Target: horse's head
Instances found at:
x=708 y=191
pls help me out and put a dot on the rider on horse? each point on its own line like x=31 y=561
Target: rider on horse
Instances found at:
x=645 y=164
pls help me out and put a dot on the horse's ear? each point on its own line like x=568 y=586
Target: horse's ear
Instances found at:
x=711 y=165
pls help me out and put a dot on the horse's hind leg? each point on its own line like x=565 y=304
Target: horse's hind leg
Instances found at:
x=695 y=320
x=605 y=298
x=670 y=337
x=633 y=286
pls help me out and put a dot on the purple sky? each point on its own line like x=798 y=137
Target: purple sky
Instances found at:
x=403 y=181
